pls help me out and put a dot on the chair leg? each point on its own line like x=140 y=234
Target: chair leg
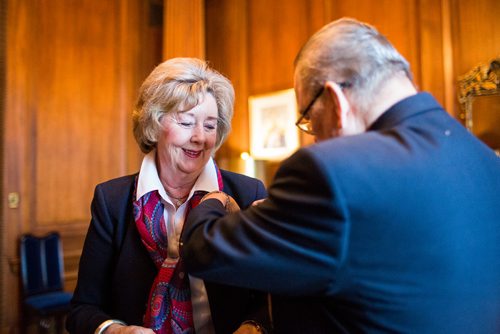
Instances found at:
x=60 y=322
x=23 y=326
x=24 y=322
x=44 y=325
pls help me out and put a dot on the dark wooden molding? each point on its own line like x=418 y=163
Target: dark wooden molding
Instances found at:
x=3 y=27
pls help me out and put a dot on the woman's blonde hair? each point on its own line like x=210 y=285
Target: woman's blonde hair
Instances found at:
x=180 y=83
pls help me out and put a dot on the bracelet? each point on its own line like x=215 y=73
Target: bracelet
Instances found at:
x=228 y=201
x=102 y=327
x=255 y=324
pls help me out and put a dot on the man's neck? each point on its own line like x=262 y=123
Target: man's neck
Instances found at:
x=396 y=89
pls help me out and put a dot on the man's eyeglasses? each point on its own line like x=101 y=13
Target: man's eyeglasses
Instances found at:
x=304 y=121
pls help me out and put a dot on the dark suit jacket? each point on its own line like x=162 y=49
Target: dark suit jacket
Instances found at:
x=116 y=271
x=393 y=230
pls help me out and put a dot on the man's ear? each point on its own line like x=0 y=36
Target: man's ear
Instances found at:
x=339 y=100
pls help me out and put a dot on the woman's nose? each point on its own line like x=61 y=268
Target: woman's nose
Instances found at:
x=198 y=133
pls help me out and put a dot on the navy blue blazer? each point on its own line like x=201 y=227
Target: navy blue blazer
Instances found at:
x=116 y=272
x=393 y=230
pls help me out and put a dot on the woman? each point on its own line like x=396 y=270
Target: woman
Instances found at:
x=130 y=276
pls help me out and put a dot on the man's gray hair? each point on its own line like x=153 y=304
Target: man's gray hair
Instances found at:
x=349 y=51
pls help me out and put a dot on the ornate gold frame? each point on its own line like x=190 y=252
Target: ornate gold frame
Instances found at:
x=483 y=79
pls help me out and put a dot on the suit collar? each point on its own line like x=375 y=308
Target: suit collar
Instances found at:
x=411 y=106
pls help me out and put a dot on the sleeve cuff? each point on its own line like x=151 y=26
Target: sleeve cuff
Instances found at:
x=102 y=327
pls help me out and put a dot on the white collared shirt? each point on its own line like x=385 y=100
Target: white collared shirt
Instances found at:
x=148 y=181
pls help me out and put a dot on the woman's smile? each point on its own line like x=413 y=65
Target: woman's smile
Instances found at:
x=188 y=138
x=191 y=153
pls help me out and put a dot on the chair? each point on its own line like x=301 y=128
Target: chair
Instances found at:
x=42 y=298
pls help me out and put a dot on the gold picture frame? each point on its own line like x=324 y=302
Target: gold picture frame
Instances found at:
x=273 y=135
x=479 y=98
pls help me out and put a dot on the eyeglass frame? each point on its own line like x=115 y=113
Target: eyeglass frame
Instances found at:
x=303 y=114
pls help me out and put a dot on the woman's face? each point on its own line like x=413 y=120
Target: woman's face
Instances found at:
x=187 y=139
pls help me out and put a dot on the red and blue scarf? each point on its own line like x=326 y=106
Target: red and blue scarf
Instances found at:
x=169 y=310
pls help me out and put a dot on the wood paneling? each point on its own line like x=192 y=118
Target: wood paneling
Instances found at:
x=17 y=136
x=431 y=30
x=475 y=35
x=277 y=30
x=396 y=19
x=73 y=112
x=3 y=204
x=139 y=51
x=226 y=28
x=73 y=70
x=184 y=29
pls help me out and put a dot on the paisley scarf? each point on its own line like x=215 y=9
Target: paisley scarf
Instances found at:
x=169 y=309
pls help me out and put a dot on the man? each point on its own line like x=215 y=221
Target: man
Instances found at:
x=390 y=223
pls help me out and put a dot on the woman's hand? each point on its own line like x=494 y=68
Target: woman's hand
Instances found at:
x=226 y=200
x=232 y=206
x=120 y=329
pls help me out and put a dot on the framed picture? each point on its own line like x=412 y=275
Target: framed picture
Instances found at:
x=479 y=97
x=273 y=134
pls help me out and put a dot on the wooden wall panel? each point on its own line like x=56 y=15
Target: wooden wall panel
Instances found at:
x=73 y=110
x=277 y=30
x=74 y=68
x=432 y=55
x=396 y=19
x=226 y=29
x=476 y=37
x=476 y=40
x=139 y=50
x=16 y=140
x=184 y=33
x=3 y=69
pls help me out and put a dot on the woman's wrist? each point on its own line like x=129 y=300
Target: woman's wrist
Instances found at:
x=107 y=324
x=227 y=201
x=218 y=195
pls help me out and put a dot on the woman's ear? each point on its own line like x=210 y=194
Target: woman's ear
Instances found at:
x=340 y=102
